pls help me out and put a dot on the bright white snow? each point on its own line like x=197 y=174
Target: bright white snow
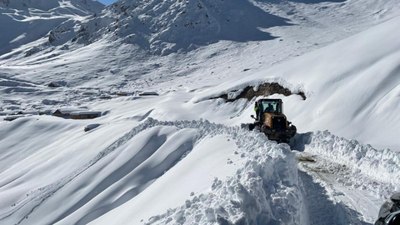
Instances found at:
x=179 y=156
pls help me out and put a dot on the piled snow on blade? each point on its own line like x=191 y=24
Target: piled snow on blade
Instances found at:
x=170 y=25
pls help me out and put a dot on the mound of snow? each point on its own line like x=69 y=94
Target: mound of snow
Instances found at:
x=265 y=189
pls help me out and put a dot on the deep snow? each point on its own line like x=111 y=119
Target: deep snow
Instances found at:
x=179 y=157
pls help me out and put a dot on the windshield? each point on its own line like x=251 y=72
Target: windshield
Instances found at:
x=271 y=106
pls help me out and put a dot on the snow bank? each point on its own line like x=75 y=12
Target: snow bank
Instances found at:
x=265 y=190
x=105 y=188
x=380 y=166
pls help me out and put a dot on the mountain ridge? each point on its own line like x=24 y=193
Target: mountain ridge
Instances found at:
x=168 y=26
x=30 y=21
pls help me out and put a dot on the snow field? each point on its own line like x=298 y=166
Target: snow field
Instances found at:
x=133 y=169
x=82 y=207
x=110 y=193
x=266 y=187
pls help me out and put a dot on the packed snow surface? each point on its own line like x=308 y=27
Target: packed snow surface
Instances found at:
x=166 y=149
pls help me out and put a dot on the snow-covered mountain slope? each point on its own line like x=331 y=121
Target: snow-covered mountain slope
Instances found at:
x=113 y=66
x=164 y=27
x=168 y=26
x=180 y=157
x=352 y=86
x=26 y=20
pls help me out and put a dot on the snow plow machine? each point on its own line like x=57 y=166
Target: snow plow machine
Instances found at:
x=271 y=121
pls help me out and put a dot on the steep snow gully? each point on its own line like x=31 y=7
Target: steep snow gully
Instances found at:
x=269 y=187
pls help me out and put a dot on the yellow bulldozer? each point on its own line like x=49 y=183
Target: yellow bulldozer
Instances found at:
x=271 y=121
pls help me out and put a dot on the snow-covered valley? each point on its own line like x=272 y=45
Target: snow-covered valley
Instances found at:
x=166 y=149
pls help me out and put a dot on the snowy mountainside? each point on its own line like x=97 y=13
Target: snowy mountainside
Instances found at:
x=180 y=157
x=352 y=86
x=28 y=21
x=110 y=65
x=163 y=27
x=168 y=26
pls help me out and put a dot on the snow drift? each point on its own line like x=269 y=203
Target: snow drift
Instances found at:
x=270 y=171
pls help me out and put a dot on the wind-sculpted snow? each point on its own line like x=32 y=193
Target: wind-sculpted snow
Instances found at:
x=265 y=189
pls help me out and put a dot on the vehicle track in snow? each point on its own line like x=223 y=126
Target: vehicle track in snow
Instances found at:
x=318 y=205
x=351 y=173
x=321 y=208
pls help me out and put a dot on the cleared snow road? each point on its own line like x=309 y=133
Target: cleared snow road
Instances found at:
x=347 y=177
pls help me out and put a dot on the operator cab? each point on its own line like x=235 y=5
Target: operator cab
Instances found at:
x=267 y=106
x=270 y=105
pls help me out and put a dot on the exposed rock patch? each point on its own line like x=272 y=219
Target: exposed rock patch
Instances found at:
x=265 y=89
x=91 y=127
x=56 y=84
